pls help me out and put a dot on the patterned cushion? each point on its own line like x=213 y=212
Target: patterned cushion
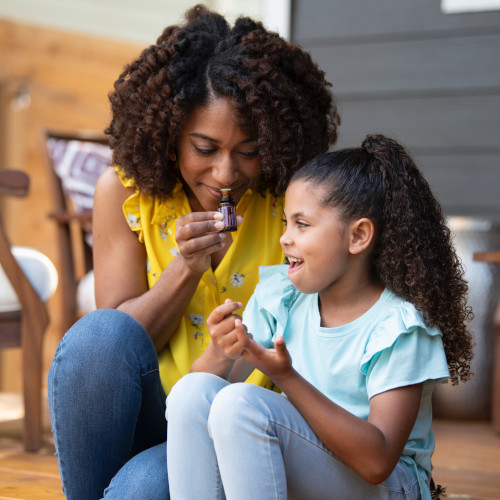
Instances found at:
x=79 y=164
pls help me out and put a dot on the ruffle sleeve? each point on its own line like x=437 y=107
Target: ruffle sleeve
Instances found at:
x=131 y=206
x=402 y=351
x=266 y=313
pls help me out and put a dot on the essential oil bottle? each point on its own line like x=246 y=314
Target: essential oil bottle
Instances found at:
x=227 y=208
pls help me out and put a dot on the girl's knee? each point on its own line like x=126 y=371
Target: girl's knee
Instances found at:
x=194 y=390
x=235 y=405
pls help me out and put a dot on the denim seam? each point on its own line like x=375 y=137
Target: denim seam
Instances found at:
x=268 y=429
x=319 y=445
x=54 y=418
x=150 y=371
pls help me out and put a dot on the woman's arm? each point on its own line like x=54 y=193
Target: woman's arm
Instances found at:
x=371 y=448
x=120 y=263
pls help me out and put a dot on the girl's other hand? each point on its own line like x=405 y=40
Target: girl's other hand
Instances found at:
x=275 y=363
x=221 y=324
x=198 y=235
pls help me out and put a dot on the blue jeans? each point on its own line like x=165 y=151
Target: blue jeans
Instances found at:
x=244 y=442
x=107 y=410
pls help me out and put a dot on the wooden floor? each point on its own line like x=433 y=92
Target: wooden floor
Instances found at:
x=466 y=462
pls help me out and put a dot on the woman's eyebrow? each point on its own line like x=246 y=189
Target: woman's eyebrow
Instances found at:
x=203 y=136
x=208 y=138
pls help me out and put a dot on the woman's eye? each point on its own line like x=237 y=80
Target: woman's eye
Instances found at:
x=250 y=154
x=205 y=151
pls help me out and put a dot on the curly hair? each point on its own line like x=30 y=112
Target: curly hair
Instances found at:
x=280 y=94
x=413 y=253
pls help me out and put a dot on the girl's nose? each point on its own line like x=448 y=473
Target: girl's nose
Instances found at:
x=285 y=240
x=225 y=171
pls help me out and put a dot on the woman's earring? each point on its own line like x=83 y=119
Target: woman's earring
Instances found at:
x=173 y=158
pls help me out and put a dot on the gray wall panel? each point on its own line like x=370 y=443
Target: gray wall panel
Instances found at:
x=415 y=66
x=466 y=184
x=337 y=19
x=444 y=123
x=429 y=79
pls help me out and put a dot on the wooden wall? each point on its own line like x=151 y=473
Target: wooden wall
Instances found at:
x=430 y=79
x=48 y=79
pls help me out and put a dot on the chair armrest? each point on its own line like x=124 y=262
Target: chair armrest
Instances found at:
x=66 y=217
x=13 y=182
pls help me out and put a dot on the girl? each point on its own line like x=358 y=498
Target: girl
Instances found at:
x=369 y=315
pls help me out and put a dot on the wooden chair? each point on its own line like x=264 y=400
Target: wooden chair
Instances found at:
x=23 y=320
x=493 y=257
x=74 y=161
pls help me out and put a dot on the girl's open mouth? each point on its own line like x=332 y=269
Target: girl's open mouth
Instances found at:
x=294 y=263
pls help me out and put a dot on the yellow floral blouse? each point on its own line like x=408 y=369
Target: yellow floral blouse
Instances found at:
x=255 y=243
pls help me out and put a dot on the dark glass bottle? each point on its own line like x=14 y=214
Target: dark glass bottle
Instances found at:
x=227 y=208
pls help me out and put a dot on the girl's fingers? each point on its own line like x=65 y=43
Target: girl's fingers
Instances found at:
x=280 y=346
x=222 y=311
x=246 y=339
x=241 y=332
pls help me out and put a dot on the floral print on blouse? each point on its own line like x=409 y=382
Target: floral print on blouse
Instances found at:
x=255 y=243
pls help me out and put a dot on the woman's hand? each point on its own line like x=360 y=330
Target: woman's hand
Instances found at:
x=198 y=236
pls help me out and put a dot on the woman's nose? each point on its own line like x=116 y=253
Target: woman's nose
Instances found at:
x=225 y=171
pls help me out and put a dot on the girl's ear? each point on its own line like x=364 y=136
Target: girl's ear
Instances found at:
x=362 y=234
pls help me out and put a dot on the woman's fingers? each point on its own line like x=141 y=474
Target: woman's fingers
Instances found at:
x=196 y=224
x=198 y=235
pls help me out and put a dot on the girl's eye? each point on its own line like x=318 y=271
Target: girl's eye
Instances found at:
x=284 y=221
x=301 y=224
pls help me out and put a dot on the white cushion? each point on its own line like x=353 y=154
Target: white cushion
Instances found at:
x=40 y=272
x=85 y=295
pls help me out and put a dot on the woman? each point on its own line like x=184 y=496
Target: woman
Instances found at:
x=207 y=107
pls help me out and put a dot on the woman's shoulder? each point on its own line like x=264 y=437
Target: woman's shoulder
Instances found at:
x=111 y=187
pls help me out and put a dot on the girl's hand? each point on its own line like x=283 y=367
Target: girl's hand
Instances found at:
x=198 y=235
x=275 y=363
x=220 y=325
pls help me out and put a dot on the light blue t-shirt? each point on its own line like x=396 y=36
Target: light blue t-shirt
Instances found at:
x=387 y=347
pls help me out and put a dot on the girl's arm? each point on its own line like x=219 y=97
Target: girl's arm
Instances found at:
x=120 y=263
x=371 y=448
x=222 y=357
